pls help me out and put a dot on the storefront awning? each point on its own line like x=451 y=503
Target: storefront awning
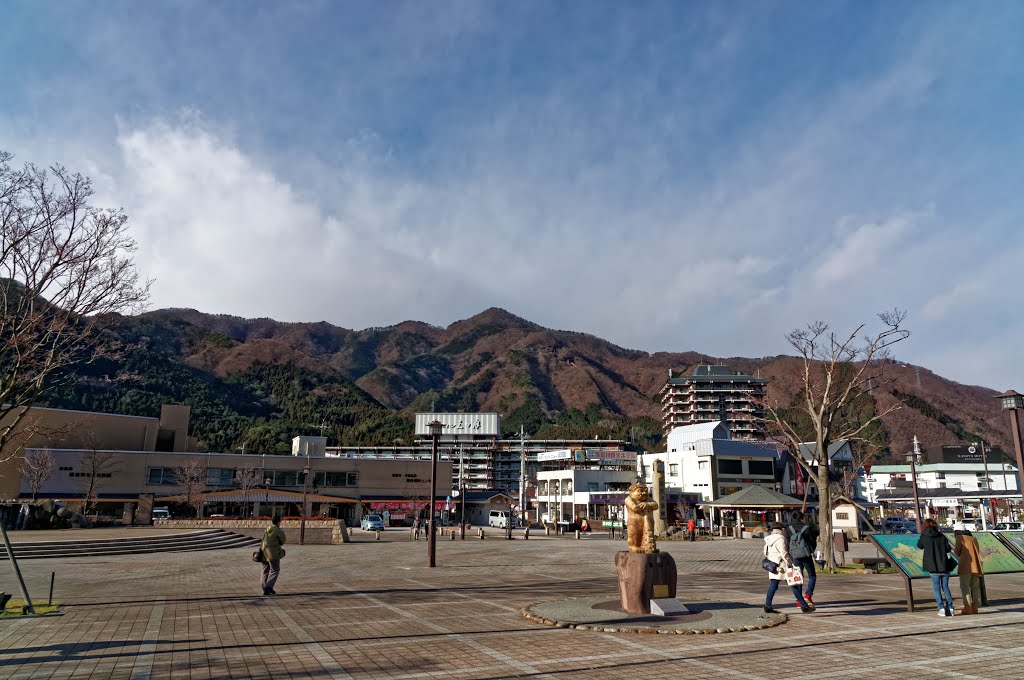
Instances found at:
x=262 y=496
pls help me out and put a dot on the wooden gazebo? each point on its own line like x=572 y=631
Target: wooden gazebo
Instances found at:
x=754 y=500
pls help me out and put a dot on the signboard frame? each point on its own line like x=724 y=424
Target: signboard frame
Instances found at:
x=989 y=538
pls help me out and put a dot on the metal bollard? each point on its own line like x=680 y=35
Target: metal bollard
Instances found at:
x=526 y=532
x=577 y=534
x=481 y=534
x=452 y=535
x=547 y=530
x=376 y=536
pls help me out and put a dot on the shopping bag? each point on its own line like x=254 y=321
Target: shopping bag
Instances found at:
x=794 y=576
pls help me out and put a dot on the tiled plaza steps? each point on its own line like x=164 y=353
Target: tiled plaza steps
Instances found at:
x=214 y=539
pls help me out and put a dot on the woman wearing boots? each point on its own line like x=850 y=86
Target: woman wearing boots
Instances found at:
x=776 y=549
x=970 y=569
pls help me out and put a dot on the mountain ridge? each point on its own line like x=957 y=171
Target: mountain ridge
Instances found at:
x=261 y=381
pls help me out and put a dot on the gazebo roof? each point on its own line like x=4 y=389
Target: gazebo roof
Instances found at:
x=756 y=497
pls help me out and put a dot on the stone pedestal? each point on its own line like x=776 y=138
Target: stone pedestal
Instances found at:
x=643 y=577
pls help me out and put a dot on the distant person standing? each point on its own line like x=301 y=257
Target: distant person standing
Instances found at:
x=803 y=540
x=273 y=551
x=776 y=550
x=691 y=529
x=970 y=568
x=936 y=562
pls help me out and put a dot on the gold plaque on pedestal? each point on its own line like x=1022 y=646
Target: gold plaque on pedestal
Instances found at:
x=659 y=590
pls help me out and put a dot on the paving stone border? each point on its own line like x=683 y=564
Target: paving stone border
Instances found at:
x=672 y=626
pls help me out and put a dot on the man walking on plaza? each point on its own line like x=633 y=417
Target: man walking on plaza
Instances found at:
x=691 y=529
x=969 y=568
x=803 y=539
x=273 y=540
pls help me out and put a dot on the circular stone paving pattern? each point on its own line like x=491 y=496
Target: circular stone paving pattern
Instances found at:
x=605 y=615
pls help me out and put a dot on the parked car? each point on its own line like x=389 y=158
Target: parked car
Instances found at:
x=371 y=523
x=1009 y=526
x=898 y=525
x=498 y=518
x=160 y=513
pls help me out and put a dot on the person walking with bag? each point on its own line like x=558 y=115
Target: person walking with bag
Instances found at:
x=776 y=551
x=970 y=569
x=937 y=562
x=803 y=539
x=273 y=551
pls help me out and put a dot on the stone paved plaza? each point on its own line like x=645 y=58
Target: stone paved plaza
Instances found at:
x=373 y=610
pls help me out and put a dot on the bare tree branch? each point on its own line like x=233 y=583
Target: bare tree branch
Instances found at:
x=63 y=263
x=97 y=470
x=191 y=479
x=838 y=369
x=248 y=477
x=36 y=469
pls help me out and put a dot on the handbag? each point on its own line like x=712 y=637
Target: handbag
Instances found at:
x=794 y=576
x=258 y=556
x=769 y=566
x=951 y=563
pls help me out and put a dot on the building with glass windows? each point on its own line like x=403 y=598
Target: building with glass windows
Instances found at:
x=713 y=393
x=704 y=459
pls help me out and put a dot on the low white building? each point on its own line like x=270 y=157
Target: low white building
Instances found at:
x=563 y=495
x=952 y=476
x=704 y=459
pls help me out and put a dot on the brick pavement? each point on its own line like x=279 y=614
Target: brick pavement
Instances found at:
x=372 y=610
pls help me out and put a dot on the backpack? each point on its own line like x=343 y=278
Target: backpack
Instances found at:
x=799 y=547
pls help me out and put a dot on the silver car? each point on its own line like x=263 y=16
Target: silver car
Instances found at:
x=371 y=523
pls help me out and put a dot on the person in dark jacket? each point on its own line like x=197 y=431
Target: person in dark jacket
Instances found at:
x=803 y=540
x=937 y=563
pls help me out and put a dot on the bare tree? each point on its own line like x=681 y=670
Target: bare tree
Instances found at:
x=837 y=369
x=191 y=479
x=36 y=469
x=63 y=262
x=248 y=477
x=97 y=469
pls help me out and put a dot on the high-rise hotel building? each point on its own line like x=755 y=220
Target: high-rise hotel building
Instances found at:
x=713 y=392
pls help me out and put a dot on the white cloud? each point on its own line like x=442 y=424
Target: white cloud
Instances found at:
x=860 y=249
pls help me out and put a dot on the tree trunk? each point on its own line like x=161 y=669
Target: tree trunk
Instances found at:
x=825 y=510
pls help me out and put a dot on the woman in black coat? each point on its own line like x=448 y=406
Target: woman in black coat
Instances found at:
x=937 y=563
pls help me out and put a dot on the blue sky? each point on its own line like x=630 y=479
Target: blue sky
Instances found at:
x=668 y=176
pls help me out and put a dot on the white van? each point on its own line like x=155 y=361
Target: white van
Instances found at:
x=498 y=518
x=161 y=513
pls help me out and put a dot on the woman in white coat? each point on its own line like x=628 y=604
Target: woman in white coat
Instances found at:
x=776 y=549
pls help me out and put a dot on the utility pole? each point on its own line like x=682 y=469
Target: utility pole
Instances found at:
x=913 y=480
x=522 y=474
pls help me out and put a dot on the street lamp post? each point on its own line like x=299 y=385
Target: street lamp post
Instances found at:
x=462 y=493
x=266 y=491
x=305 y=495
x=988 y=487
x=1013 y=402
x=913 y=480
x=435 y=432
